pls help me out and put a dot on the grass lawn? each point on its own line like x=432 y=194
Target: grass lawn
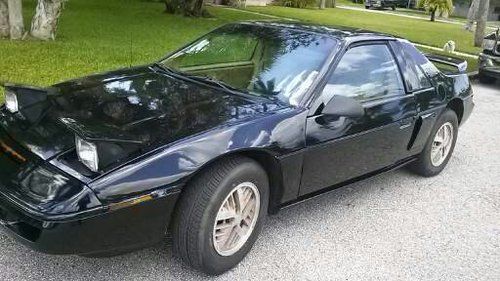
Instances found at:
x=425 y=32
x=98 y=35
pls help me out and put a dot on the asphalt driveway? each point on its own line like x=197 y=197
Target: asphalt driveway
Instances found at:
x=393 y=227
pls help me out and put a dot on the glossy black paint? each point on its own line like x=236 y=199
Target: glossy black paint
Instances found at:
x=173 y=127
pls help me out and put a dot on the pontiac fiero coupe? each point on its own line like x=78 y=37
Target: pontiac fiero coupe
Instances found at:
x=205 y=143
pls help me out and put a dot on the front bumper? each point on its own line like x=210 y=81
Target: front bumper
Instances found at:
x=489 y=65
x=102 y=231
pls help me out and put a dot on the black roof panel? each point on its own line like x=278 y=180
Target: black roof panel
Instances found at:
x=339 y=32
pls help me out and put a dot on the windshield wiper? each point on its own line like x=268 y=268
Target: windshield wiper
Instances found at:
x=167 y=69
x=205 y=79
x=228 y=88
x=213 y=81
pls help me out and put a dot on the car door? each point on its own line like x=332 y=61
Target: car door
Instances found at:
x=341 y=148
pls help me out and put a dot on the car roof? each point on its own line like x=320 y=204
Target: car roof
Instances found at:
x=338 y=32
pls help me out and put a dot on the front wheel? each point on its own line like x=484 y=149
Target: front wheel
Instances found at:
x=439 y=147
x=220 y=215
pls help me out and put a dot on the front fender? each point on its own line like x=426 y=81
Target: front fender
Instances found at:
x=169 y=166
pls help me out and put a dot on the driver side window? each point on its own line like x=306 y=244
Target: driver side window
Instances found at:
x=365 y=73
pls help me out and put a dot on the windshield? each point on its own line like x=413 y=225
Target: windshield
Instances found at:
x=273 y=62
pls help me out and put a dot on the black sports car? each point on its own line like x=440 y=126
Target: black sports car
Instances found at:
x=489 y=59
x=205 y=143
x=381 y=4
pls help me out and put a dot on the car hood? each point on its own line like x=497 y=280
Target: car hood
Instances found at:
x=138 y=106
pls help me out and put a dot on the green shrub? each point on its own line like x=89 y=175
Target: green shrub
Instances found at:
x=296 y=3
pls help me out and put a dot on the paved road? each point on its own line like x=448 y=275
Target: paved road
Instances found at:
x=394 y=227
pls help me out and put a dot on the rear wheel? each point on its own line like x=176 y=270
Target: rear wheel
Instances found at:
x=439 y=147
x=220 y=215
x=367 y=7
x=393 y=8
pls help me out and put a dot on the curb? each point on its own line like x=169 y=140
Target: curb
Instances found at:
x=461 y=54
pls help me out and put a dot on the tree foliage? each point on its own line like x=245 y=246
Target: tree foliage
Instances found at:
x=296 y=3
x=436 y=6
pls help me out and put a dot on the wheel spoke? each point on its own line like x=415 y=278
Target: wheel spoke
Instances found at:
x=233 y=236
x=439 y=137
x=237 y=195
x=223 y=233
x=437 y=157
x=226 y=214
x=246 y=201
x=247 y=211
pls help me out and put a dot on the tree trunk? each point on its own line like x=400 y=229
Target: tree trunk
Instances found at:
x=16 y=21
x=44 y=22
x=472 y=15
x=194 y=8
x=173 y=6
x=330 y=3
x=189 y=8
x=322 y=4
x=481 y=22
x=433 y=14
x=4 y=19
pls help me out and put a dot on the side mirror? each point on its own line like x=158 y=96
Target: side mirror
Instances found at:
x=344 y=106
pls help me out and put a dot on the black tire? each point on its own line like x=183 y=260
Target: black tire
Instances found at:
x=423 y=165
x=367 y=7
x=393 y=8
x=486 y=79
x=192 y=229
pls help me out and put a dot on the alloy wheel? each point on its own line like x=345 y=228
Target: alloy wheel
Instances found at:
x=236 y=219
x=441 y=145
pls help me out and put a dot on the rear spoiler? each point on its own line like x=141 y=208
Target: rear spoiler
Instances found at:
x=447 y=62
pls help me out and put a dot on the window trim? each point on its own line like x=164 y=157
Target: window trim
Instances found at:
x=406 y=60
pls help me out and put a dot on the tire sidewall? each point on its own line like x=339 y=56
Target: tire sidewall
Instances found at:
x=447 y=116
x=248 y=171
